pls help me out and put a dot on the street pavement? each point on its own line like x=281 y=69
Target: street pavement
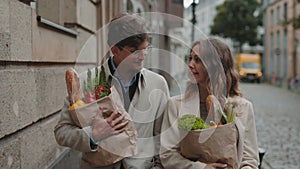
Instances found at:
x=277 y=115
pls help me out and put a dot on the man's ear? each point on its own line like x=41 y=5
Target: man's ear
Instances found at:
x=115 y=50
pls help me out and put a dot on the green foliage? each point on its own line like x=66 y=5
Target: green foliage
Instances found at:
x=230 y=117
x=296 y=22
x=223 y=116
x=102 y=77
x=231 y=109
x=191 y=122
x=238 y=20
x=96 y=75
x=90 y=83
x=96 y=87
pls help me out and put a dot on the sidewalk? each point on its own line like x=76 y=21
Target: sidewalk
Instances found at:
x=277 y=115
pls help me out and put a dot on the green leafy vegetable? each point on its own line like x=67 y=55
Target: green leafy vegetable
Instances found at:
x=191 y=122
x=223 y=116
x=96 y=87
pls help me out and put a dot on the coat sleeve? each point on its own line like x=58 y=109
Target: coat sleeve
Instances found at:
x=69 y=135
x=165 y=95
x=250 y=148
x=170 y=139
x=158 y=121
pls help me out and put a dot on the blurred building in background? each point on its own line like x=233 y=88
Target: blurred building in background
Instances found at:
x=39 y=40
x=206 y=11
x=281 y=41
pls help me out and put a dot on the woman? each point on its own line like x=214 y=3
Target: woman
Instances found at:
x=211 y=72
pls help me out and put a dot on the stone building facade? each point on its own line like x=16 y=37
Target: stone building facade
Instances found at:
x=38 y=41
x=281 y=41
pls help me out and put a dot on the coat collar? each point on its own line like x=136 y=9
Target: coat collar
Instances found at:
x=142 y=81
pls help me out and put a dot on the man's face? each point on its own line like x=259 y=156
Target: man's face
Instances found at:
x=131 y=58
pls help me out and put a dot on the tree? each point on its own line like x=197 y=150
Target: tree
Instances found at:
x=239 y=21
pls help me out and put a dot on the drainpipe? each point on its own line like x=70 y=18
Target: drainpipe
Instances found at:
x=295 y=40
x=194 y=21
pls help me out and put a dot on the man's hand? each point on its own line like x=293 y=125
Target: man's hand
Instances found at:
x=103 y=128
x=215 y=166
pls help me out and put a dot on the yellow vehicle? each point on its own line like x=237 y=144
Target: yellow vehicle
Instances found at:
x=249 y=67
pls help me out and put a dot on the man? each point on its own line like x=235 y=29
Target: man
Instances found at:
x=144 y=94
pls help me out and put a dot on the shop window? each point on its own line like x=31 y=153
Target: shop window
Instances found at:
x=56 y=14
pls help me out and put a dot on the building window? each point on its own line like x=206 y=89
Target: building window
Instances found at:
x=278 y=65
x=285 y=57
x=266 y=2
x=278 y=14
x=53 y=14
x=27 y=2
x=129 y=6
x=178 y=1
x=272 y=18
x=50 y=10
x=285 y=11
x=271 y=53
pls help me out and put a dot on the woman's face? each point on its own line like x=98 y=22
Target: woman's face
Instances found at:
x=197 y=71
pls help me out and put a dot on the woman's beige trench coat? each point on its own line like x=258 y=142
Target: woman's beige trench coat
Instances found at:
x=170 y=139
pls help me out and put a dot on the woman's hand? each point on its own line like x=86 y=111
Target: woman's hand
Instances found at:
x=103 y=128
x=215 y=166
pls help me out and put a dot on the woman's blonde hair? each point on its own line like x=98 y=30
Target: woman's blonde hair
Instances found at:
x=222 y=79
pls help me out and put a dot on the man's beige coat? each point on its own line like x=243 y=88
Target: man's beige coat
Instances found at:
x=170 y=139
x=146 y=109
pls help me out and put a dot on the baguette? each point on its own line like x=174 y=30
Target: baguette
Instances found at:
x=209 y=102
x=73 y=86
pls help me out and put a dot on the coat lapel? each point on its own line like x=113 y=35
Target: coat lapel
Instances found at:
x=190 y=106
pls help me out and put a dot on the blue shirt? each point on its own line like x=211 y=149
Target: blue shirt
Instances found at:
x=117 y=75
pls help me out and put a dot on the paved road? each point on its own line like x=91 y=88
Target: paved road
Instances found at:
x=277 y=114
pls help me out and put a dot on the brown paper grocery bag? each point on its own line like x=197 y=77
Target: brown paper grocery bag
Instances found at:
x=212 y=145
x=113 y=148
